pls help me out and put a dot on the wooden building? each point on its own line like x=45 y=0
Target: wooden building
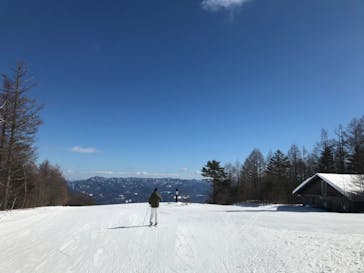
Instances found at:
x=334 y=192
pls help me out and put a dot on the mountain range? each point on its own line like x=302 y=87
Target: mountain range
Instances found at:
x=133 y=190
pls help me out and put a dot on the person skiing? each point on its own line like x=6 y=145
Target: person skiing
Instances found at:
x=154 y=200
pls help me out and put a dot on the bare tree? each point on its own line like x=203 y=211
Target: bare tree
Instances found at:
x=20 y=124
x=233 y=172
x=51 y=188
x=340 y=151
x=251 y=174
x=294 y=156
x=355 y=144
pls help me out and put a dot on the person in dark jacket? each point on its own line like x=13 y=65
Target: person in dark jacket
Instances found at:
x=154 y=200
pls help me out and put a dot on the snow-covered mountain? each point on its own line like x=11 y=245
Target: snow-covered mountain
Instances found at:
x=130 y=190
x=194 y=238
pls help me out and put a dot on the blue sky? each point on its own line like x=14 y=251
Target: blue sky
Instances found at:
x=157 y=88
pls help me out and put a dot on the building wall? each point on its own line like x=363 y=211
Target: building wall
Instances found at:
x=330 y=203
x=320 y=194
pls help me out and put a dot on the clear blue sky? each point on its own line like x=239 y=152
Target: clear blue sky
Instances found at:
x=157 y=88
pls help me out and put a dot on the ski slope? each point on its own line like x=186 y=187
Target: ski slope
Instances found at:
x=195 y=238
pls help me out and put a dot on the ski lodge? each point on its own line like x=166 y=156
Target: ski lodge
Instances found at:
x=333 y=192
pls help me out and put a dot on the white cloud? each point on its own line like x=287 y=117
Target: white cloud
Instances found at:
x=142 y=173
x=106 y=172
x=84 y=150
x=215 y=5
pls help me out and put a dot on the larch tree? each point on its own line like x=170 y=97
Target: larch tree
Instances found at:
x=340 y=153
x=251 y=175
x=51 y=189
x=19 y=126
x=355 y=144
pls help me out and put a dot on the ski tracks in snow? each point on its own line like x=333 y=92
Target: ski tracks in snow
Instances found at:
x=255 y=253
x=189 y=239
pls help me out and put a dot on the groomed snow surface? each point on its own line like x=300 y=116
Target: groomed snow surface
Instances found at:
x=192 y=238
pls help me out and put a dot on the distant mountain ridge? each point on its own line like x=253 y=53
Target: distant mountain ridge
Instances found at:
x=132 y=189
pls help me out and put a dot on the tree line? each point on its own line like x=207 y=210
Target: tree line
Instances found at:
x=273 y=178
x=23 y=182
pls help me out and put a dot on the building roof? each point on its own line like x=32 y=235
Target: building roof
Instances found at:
x=347 y=184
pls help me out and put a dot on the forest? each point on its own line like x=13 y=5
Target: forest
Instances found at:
x=23 y=182
x=272 y=178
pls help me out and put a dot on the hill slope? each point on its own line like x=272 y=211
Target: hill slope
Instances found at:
x=190 y=238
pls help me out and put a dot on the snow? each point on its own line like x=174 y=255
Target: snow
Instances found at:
x=346 y=184
x=195 y=238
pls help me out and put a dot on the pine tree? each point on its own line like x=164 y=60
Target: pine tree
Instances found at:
x=217 y=175
x=277 y=186
x=278 y=165
x=326 y=161
x=326 y=158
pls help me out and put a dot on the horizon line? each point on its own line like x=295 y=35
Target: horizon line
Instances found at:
x=134 y=177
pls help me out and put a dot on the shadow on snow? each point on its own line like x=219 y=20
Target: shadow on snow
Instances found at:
x=123 y=227
x=285 y=208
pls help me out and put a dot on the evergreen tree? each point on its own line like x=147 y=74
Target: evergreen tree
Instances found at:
x=217 y=175
x=326 y=158
x=277 y=184
x=278 y=165
x=326 y=161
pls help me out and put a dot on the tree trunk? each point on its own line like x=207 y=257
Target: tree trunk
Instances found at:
x=6 y=193
x=12 y=138
x=13 y=205
x=25 y=190
x=2 y=144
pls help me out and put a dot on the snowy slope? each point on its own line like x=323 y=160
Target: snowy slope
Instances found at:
x=190 y=238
